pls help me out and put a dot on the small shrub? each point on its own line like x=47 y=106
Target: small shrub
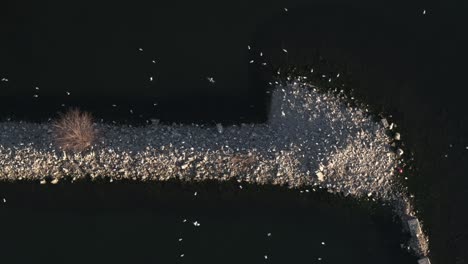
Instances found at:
x=74 y=130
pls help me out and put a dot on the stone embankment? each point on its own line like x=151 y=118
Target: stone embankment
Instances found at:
x=311 y=139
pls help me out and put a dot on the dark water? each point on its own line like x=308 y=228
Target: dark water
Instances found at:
x=400 y=61
x=76 y=223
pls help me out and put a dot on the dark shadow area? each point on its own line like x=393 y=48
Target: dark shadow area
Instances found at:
x=122 y=222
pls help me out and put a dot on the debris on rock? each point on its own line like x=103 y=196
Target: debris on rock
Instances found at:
x=384 y=122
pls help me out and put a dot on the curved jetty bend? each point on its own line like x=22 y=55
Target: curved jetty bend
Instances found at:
x=312 y=138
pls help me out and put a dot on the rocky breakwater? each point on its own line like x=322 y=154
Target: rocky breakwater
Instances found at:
x=312 y=138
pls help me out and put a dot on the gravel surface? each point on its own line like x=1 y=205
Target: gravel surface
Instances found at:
x=311 y=139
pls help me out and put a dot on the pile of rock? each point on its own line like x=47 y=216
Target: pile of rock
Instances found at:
x=311 y=138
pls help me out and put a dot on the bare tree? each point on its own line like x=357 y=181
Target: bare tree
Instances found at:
x=74 y=130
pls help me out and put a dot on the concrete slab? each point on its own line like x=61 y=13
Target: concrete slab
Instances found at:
x=414 y=227
x=424 y=261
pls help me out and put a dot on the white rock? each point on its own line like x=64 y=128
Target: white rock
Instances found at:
x=55 y=181
x=399 y=152
x=397 y=136
x=320 y=176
